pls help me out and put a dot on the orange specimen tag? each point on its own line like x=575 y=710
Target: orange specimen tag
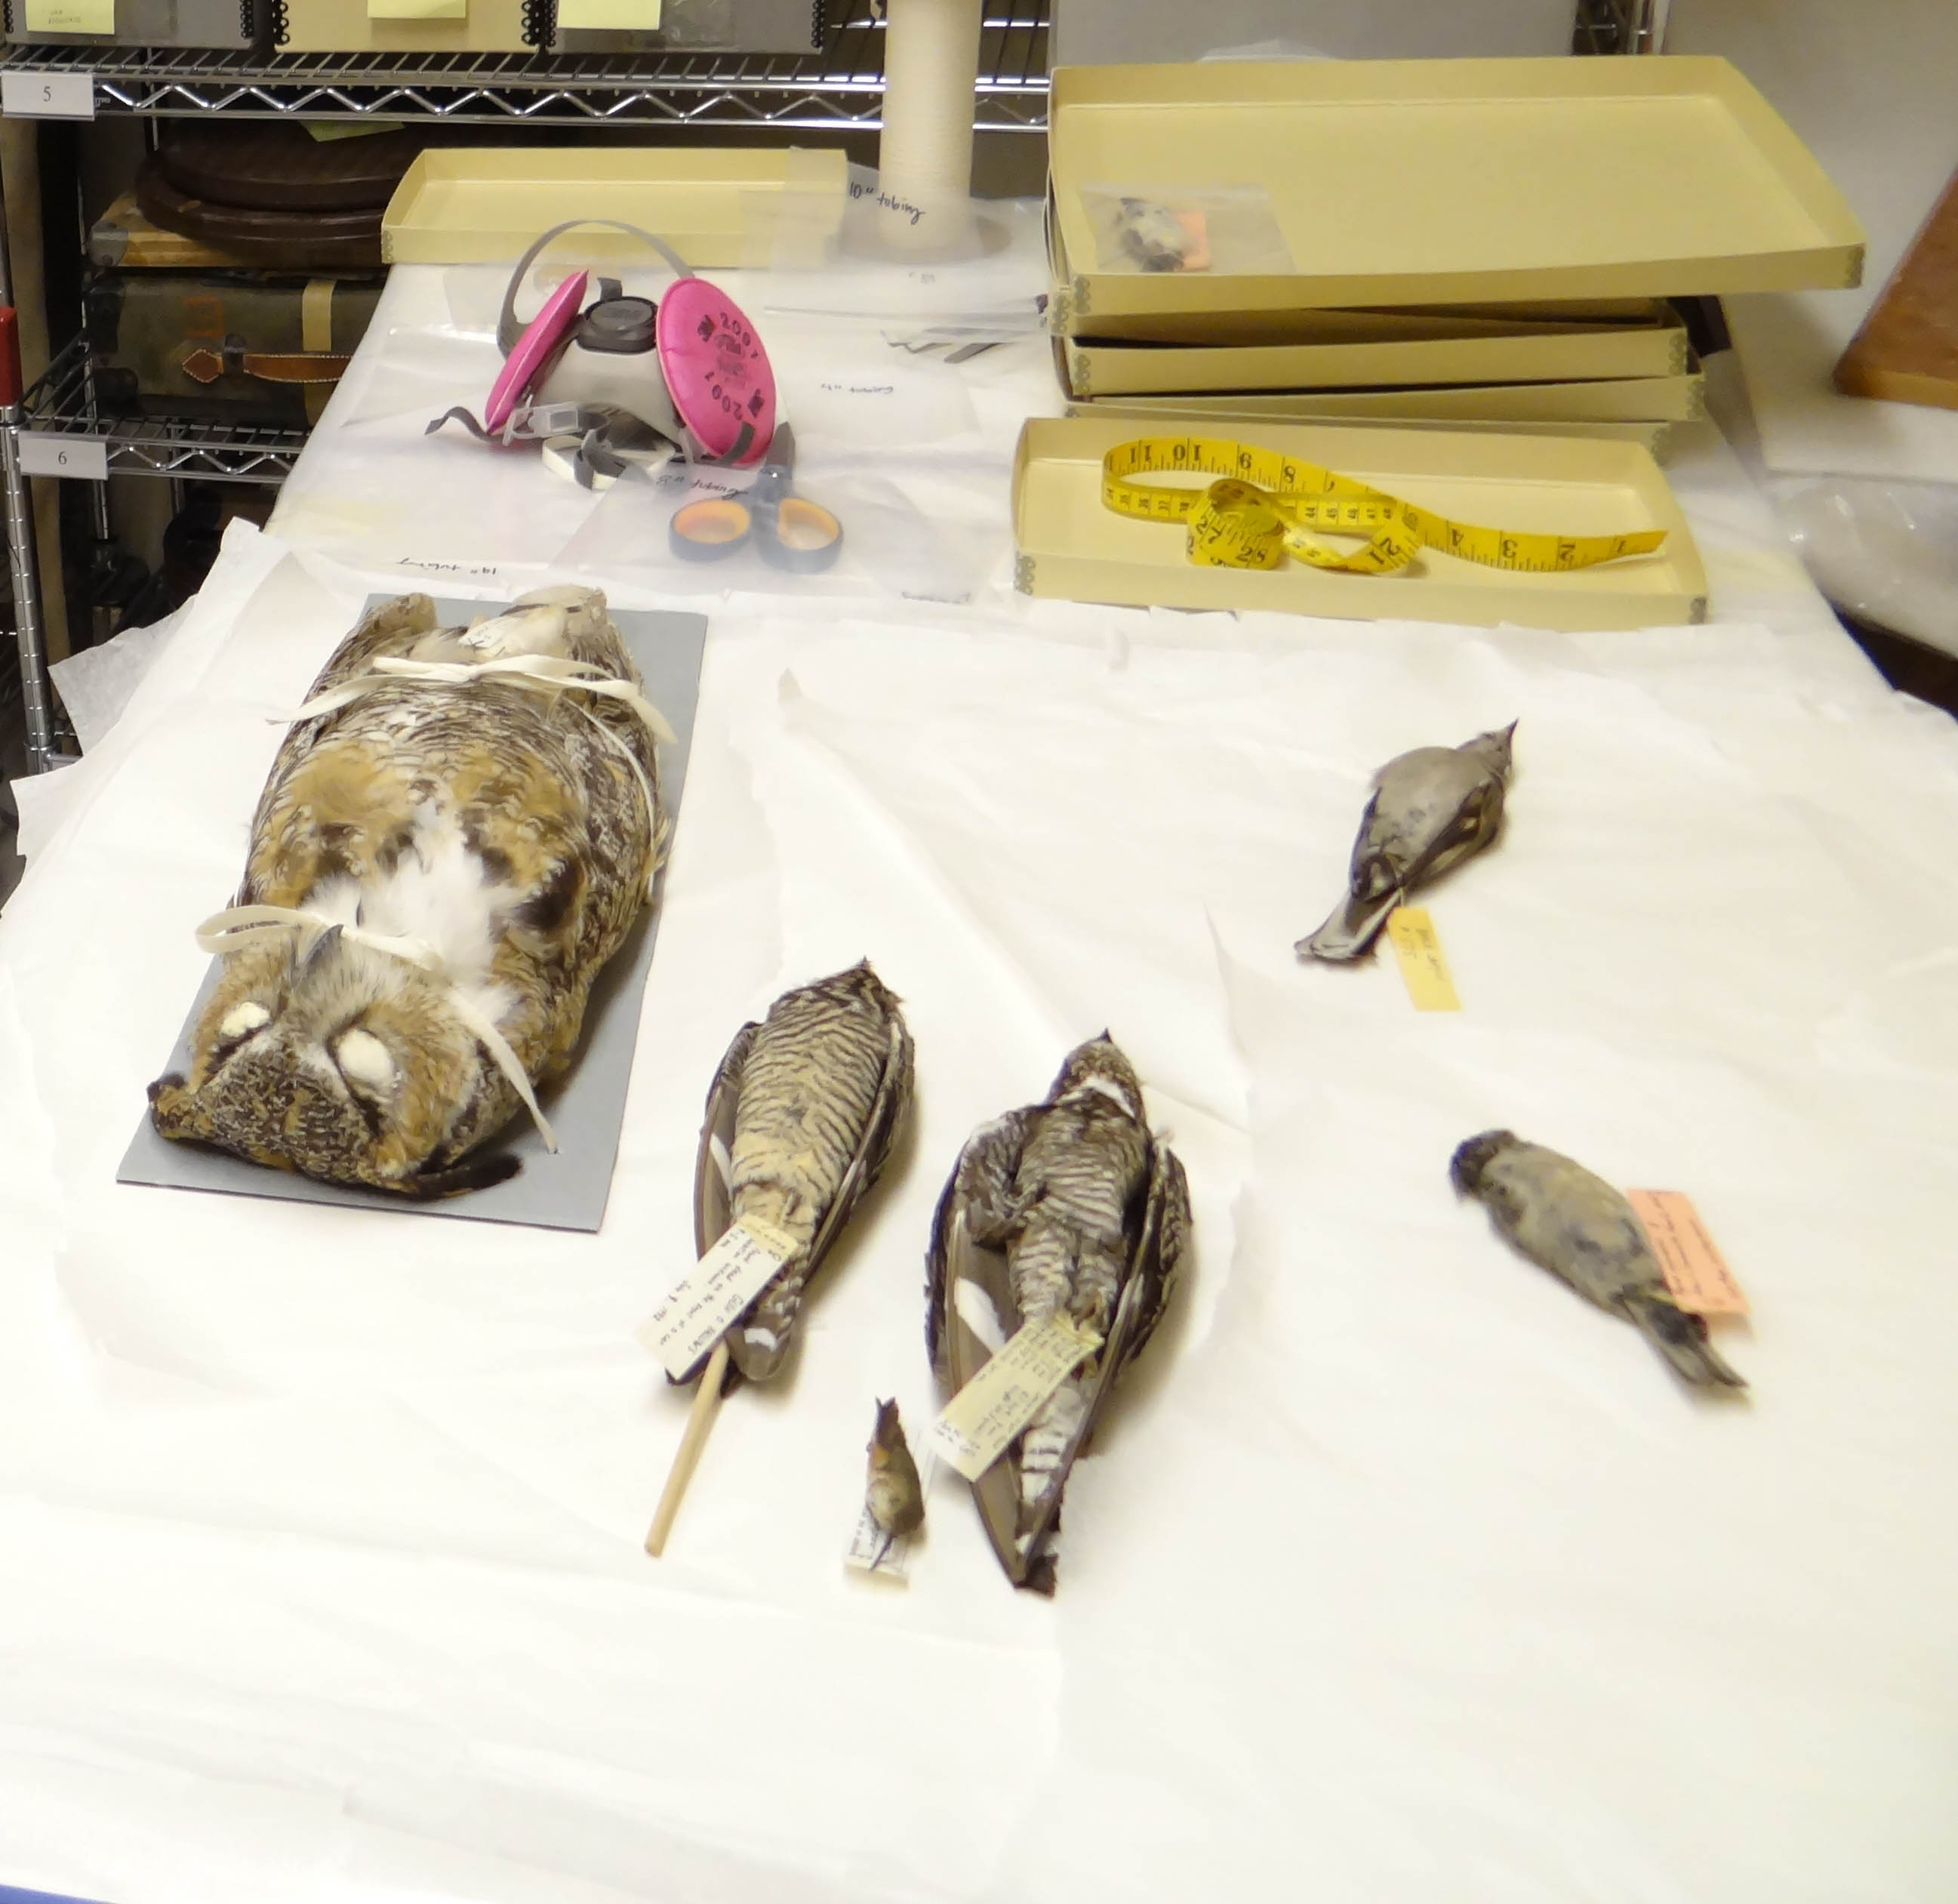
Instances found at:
x=1695 y=1271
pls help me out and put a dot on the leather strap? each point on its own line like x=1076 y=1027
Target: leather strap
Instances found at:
x=206 y=366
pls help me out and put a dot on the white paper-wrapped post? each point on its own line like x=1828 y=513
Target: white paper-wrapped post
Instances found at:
x=931 y=74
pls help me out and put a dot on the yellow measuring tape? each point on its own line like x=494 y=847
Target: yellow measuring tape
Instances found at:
x=1262 y=505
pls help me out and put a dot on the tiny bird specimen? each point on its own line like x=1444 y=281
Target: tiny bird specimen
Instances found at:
x=1069 y=1207
x=891 y=1490
x=800 y=1119
x=1583 y=1231
x=1430 y=810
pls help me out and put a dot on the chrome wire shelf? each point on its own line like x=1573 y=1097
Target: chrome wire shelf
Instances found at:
x=842 y=88
x=1616 y=26
x=63 y=403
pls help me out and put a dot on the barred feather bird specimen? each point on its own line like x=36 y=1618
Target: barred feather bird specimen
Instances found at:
x=800 y=1119
x=455 y=836
x=1430 y=809
x=1586 y=1234
x=1069 y=1207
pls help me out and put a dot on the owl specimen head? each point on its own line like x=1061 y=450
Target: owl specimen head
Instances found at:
x=449 y=856
x=336 y=1060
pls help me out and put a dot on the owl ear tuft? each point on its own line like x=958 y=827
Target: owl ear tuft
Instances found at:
x=175 y=1111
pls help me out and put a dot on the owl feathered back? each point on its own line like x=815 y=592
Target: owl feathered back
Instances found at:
x=511 y=825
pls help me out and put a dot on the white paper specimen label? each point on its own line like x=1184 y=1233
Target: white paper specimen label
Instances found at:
x=700 y=1305
x=1004 y=1396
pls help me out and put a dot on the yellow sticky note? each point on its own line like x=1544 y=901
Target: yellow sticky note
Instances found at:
x=1695 y=1271
x=71 y=16
x=985 y=1415
x=417 y=9
x=1423 y=966
x=609 y=16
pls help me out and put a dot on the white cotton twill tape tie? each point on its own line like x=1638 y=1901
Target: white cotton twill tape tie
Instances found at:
x=242 y=927
x=542 y=670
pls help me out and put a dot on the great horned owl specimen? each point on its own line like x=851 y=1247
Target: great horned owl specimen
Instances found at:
x=506 y=826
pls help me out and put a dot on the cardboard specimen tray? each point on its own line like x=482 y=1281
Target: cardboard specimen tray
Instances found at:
x=1093 y=367
x=1681 y=399
x=484 y=205
x=1333 y=183
x=1656 y=437
x=1071 y=545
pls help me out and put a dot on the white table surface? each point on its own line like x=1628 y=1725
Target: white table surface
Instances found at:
x=1399 y=1575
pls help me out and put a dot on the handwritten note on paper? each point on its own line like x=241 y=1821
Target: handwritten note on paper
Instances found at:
x=999 y=1400
x=1695 y=1271
x=703 y=1302
x=1424 y=968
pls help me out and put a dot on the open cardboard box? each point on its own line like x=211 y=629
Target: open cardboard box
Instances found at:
x=1443 y=181
x=1655 y=438
x=1069 y=543
x=485 y=204
x=1675 y=399
x=1095 y=367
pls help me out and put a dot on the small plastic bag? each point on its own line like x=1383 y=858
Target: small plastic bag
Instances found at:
x=1228 y=229
x=693 y=530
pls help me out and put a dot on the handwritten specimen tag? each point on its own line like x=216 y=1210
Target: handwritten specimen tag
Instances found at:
x=701 y=1305
x=1695 y=1271
x=1005 y=1395
x=1423 y=966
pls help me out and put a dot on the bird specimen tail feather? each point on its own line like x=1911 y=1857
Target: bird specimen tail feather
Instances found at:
x=1681 y=1338
x=1350 y=933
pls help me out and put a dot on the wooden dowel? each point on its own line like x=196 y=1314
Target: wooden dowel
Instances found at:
x=699 y=1420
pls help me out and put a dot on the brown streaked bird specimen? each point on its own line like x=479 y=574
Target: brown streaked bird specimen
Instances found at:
x=1070 y=1206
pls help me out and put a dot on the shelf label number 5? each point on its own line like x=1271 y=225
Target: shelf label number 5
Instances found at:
x=27 y=94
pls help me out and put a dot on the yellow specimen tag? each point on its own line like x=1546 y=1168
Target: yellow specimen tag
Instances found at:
x=713 y=1294
x=417 y=9
x=615 y=16
x=999 y=1400
x=1423 y=966
x=71 y=16
x=1695 y=1271
x=1263 y=506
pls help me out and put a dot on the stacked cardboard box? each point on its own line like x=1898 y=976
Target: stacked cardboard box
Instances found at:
x=1445 y=243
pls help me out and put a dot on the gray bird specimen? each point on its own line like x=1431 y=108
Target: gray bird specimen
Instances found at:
x=1067 y=1207
x=800 y=1119
x=891 y=1490
x=1581 y=1229
x=1430 y=810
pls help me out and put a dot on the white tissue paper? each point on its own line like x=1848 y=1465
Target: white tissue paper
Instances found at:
x=320 y=1564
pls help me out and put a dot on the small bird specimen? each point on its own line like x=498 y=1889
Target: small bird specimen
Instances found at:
x=800 y=1119
x=891 y=1490
x=456 y=834
x=1430 y=810
x=1069 y=1207
x=1581 y=1229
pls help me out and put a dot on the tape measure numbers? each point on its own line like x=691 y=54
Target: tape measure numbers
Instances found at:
x=1263 y=506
